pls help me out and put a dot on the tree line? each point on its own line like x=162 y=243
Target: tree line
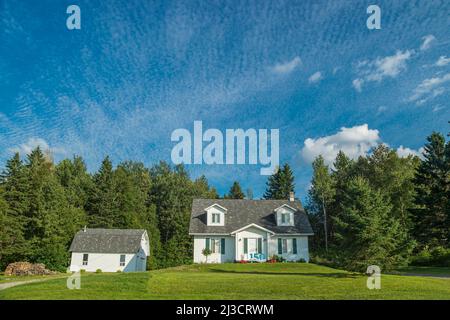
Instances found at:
x=43 y=205
x=383 y=209
x=379 y=209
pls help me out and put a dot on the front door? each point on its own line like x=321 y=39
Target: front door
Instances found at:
x=252 y=246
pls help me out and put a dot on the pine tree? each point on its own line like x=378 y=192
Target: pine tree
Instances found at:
x=432 y=186
x=12 y=244
x=77 y=182
x=366 y=234
x=102 y=202
x=280 y=184
x=235 y=191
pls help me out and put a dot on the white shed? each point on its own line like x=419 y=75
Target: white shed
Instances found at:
x=110 y=250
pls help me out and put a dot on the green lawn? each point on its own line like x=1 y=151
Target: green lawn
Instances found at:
x=6 y=279
x=236 y=281
x=435 y=271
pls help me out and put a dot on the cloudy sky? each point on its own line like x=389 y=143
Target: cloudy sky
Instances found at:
x=137 y=70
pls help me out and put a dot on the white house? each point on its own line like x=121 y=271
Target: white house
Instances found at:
x=249 y=230
x=110 y=250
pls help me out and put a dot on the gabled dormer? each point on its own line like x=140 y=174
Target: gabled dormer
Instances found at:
x=284 y=215
x=215 y=215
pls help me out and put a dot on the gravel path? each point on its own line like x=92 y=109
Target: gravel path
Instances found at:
x=11 y=284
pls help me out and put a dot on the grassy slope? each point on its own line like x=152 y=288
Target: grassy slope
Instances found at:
x=7 y=279
x=235 y=281
x=435 y=271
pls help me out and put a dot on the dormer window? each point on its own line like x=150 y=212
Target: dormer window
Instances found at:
x=215 y=215
x=285 y=215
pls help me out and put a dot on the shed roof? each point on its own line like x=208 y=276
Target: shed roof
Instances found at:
x=107 y=241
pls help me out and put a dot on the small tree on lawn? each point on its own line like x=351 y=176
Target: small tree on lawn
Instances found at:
x=206 y=252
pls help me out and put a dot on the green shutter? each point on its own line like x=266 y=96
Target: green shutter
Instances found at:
x=245 y=245
x=207 y=244
x=294 y=245
x=222 y=246
x=280 y=246
x=259 y=245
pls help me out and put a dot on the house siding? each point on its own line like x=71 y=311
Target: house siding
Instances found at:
x=234 y=247
x=200 y=243
x=302 y=248
x=108 y=262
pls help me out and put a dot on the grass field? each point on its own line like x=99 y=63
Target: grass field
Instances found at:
x=236 y=281
x=435 y=271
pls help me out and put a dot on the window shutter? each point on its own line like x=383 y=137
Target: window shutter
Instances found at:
x=222 y=246
x=245 y=245
x=259 y=245
x=207 y=244
x=294 y=245
x=280 y=246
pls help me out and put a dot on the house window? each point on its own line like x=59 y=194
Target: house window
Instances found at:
x=85 y=259
x=282 y=246
x=122 y=260
x=285 y=246
x=285 y=218
x=216 y=245
x=216 y=218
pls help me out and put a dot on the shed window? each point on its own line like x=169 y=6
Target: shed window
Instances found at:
x=85 y=259
x=122 y=260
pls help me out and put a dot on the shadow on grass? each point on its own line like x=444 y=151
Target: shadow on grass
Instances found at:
x=313 y=274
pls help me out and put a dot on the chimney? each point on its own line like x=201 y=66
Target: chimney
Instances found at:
x=291 y=196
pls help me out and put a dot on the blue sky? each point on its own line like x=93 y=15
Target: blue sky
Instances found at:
x=137 y=70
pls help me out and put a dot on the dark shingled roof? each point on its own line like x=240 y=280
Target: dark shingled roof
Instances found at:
x=107 y=241
x=241 y=213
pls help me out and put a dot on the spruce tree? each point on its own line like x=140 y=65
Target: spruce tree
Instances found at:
x=366 y=234
x=280 y=184
x=102 y=202
x=432 y=186
x=235 y=191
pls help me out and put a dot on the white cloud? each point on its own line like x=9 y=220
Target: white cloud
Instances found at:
x=427 y=41
x=357 y=84
x=404 y=152
x=381 y=109
x=429 y=89
x=381 y=68
x=33 y=143
x=442 y=61
x=437 y=108
x=355 y=141
x=287 y=67
x=316 y=77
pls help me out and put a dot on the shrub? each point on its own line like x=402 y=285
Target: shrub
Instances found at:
x=82 y=270
x=435 y=257
x=98 y=271
x=301 y=260
x=119 y=271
